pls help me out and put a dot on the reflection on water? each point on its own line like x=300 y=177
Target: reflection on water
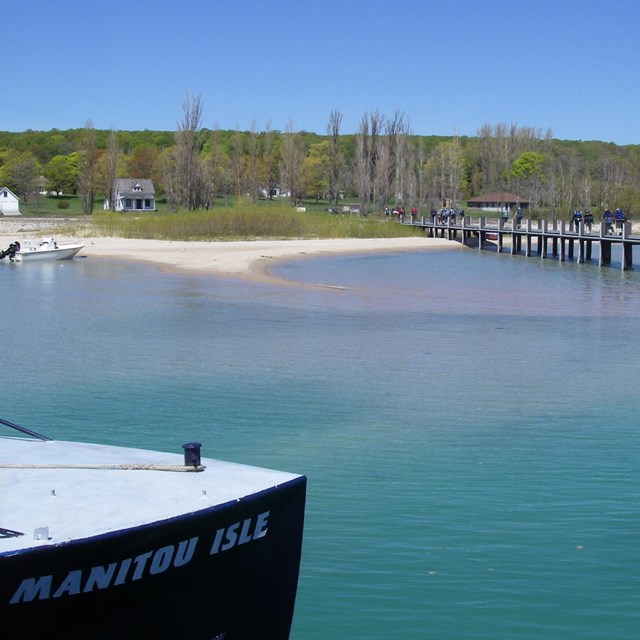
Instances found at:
x=464 y=280
x=467 y=422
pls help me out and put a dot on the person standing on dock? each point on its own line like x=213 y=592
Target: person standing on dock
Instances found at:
x=588 y=220
x=577 y=219
x=518 y=217
x=607 y=220
x=620 y=220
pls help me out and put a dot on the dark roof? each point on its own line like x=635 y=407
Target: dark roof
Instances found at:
x=497 y=196
x=134 y=186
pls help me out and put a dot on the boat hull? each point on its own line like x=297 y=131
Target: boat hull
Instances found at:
x=61 y=253
x=229 y=571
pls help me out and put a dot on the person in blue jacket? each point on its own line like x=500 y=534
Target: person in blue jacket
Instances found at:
x=577 y=218
x=607 y=220
x=620 y=220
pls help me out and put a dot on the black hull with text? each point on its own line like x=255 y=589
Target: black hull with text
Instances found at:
x=226 y=570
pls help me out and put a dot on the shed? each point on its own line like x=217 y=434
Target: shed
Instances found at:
x=497 y=201
x=9 y=203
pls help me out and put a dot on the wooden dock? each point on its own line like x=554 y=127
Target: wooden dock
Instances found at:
x=554 y=239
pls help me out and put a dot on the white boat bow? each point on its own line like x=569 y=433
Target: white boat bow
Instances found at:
x=105 y=542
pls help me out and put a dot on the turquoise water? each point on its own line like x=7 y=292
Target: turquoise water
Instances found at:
x=468 y=422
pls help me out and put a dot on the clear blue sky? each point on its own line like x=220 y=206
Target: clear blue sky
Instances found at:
x=449 y=66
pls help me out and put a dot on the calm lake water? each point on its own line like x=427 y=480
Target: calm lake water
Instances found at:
x=468 y=422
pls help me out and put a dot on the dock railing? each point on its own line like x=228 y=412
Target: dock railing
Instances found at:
x=563 y=236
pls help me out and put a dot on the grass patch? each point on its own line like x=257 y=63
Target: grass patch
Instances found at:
x=48 y=206
x=245 y=223
x=66 y=206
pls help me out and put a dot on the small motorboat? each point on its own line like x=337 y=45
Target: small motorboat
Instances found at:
x=46 y=249
x=108 y=542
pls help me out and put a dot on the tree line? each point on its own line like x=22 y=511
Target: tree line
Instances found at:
x=383 y=163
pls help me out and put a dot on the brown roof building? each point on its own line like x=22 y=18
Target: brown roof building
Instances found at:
x=496 y=201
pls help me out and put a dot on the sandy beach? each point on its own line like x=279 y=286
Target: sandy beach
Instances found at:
x=244 y=259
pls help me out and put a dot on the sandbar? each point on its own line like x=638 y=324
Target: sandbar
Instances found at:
x=247 y=259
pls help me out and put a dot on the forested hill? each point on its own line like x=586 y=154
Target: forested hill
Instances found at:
x=381 y=163
x=44 y=145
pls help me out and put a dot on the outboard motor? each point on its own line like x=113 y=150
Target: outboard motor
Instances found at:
x=10 y=251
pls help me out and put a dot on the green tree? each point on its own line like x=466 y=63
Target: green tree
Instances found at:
x=61 y=173
x=528 y=164
x=529 y=178
x=316 y=170
x=21 y=173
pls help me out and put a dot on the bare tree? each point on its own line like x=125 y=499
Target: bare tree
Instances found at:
x=568 y=168
x=455 y=170
x=184 y=175
x=422 y=191
x=362 y=161
x=611 y=171
x=87 y=168
x=396 y=131
x=252 y=168
x=371 y=162
x=410 y=169
x=382 y=170
x=445 y=169
x=237 y=163
x=437 y=172
x=497 y=148
x=216 y=169
x=110 y=169
x=292 y=163
x=335 y=155
x=269 y=161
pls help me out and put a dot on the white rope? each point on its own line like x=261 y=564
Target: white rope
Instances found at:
x=117 y=467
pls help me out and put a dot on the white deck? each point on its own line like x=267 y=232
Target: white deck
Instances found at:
x=78 y=503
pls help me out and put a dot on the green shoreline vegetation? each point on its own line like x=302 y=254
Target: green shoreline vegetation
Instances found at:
x=279 y=222
x=243 y=221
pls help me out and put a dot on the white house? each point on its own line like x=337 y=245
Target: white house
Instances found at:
x=132 y=194
x=9 y=203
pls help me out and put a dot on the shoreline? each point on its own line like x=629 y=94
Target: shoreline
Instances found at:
x=247 y=259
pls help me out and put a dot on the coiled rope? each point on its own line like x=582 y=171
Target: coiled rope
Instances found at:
x=115 y=467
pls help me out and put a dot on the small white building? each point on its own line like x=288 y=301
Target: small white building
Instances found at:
x=9 y=203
